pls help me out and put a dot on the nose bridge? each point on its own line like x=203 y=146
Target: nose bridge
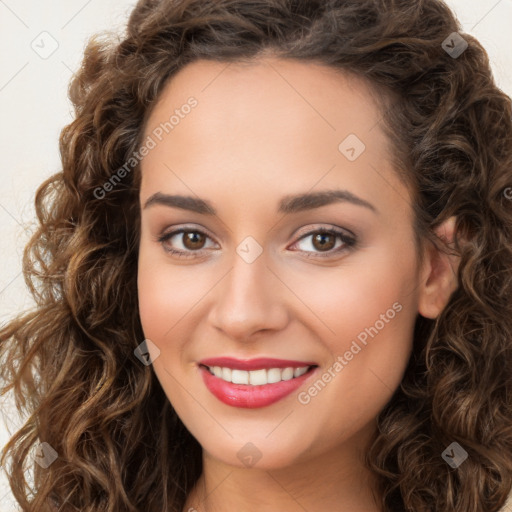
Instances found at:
x=247 y=299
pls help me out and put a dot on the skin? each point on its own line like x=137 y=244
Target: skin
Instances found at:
x=261 y=131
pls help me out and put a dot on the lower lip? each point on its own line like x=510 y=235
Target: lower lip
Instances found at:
x=251 y=397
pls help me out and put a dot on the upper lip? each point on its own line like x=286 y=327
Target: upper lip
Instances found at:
x=259 y=363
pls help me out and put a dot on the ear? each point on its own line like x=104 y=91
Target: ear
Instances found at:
x=439 y=272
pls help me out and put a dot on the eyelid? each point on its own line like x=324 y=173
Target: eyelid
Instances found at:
x=324 y=227
x=349 y=240
x=172 y=231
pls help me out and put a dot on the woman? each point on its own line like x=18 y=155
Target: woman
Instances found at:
x=275 y=272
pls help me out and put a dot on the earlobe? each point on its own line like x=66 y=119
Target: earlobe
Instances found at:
x=439 y=272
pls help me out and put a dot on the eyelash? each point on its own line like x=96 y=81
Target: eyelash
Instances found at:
x=348 y=241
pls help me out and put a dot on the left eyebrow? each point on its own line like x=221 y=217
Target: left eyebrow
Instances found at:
x=288 y=204
x=308 y=201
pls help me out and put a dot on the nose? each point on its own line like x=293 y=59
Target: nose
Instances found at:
x=250 y=299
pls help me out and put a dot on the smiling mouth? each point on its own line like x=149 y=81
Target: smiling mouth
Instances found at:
x=259 y=377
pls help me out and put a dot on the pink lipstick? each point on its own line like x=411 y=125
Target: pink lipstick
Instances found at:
x=253 y=383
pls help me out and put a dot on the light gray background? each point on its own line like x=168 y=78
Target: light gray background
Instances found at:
x=34 y=108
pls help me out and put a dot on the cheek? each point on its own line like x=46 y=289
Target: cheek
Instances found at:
x=369 y=309
x=372 y=314
x=355 y=295
x=170 y=297
x=162 y=301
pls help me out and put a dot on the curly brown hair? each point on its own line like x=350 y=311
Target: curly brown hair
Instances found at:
x=70 y=360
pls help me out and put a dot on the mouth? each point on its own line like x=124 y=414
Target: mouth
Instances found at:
x=253 y=383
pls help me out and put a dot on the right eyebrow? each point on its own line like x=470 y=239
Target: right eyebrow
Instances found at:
x=190 y=203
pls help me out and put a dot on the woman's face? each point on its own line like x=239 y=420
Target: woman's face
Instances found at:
x=251 y=151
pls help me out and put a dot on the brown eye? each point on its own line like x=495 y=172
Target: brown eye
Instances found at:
x=185 y=243
x=322 y=243
x=193 y=240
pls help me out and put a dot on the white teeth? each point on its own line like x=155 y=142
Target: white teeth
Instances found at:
x=287 y=374
x=273 y=375
x=239 y=377
x=257 y=377
x=226 y=374
x=300 y=371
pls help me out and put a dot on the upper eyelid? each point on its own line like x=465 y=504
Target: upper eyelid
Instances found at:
x=328 y=228
x=181 y=229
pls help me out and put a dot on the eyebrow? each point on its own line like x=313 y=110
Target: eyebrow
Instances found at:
x=288 y=204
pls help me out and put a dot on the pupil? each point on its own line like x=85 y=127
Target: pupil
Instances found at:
x=193 y=240
x=321 y=238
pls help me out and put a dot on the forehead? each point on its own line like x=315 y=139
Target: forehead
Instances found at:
x=272 y=123
x=270 y=91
